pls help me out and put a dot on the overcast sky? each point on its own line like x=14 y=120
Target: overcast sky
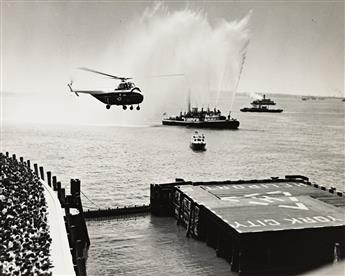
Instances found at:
x=296 y=47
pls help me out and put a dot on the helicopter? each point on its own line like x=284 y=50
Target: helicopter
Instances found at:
x=125 y=94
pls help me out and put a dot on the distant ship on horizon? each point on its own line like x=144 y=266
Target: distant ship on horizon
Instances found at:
x=262 y=105
x=305 y=98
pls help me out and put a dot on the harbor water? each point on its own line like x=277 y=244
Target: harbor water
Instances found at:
x=117 y=164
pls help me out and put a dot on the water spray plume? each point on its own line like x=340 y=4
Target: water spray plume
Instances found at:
x=255 y=96
x=163 y=42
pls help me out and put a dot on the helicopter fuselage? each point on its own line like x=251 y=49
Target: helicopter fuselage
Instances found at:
x=120 y=98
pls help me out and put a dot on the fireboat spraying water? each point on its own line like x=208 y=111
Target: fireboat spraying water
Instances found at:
x=202 y=119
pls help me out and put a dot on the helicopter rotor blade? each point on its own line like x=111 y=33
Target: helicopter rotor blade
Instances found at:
x=167 y=75
x=104 y=74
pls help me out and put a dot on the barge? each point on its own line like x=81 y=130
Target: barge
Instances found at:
x=278 y=226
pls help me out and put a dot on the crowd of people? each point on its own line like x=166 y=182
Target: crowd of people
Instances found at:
x=24 y=232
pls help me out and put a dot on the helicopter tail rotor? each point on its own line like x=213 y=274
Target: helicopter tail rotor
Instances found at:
x=71 y=89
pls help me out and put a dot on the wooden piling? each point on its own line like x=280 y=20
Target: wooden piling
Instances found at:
x=28 y=163
x=14 y=157
x=58 y=186
x=49 y=178
x=36 y=169
x=75 y=187
x=73 y=232
x=21 y=159
x=7 y=154
x=179 y=211
x=54 y=183
x=67 y=211
x=79 y=248
x=81 y=266
x=42 y=172
x=235 y=260
x=62 y=196
x=190 y=220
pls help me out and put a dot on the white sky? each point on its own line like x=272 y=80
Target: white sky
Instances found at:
x=296 y=47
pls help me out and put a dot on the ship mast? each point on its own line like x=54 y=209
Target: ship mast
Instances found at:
x=189 y=104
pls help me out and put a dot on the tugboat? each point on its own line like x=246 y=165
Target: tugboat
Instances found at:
x=197 y=142
x=262 y=106
x=202 y=119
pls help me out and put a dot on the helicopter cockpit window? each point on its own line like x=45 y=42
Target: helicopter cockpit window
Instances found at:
x=121 y=86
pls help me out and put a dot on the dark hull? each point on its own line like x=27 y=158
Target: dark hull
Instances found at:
x=198 y=147
x=213 y=125
x=246 y=109
x=122 y=98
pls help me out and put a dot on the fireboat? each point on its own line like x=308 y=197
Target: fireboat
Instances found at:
x=203 y=118
x=262 y=106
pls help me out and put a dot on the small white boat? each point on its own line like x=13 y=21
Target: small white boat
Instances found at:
x=198 y=142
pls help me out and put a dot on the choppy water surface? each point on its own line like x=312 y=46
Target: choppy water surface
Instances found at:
x=146 y=245
x=117 y=164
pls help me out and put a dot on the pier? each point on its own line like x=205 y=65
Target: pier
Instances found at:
x=277 y=225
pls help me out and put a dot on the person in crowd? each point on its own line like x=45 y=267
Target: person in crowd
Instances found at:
x=24 y=232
